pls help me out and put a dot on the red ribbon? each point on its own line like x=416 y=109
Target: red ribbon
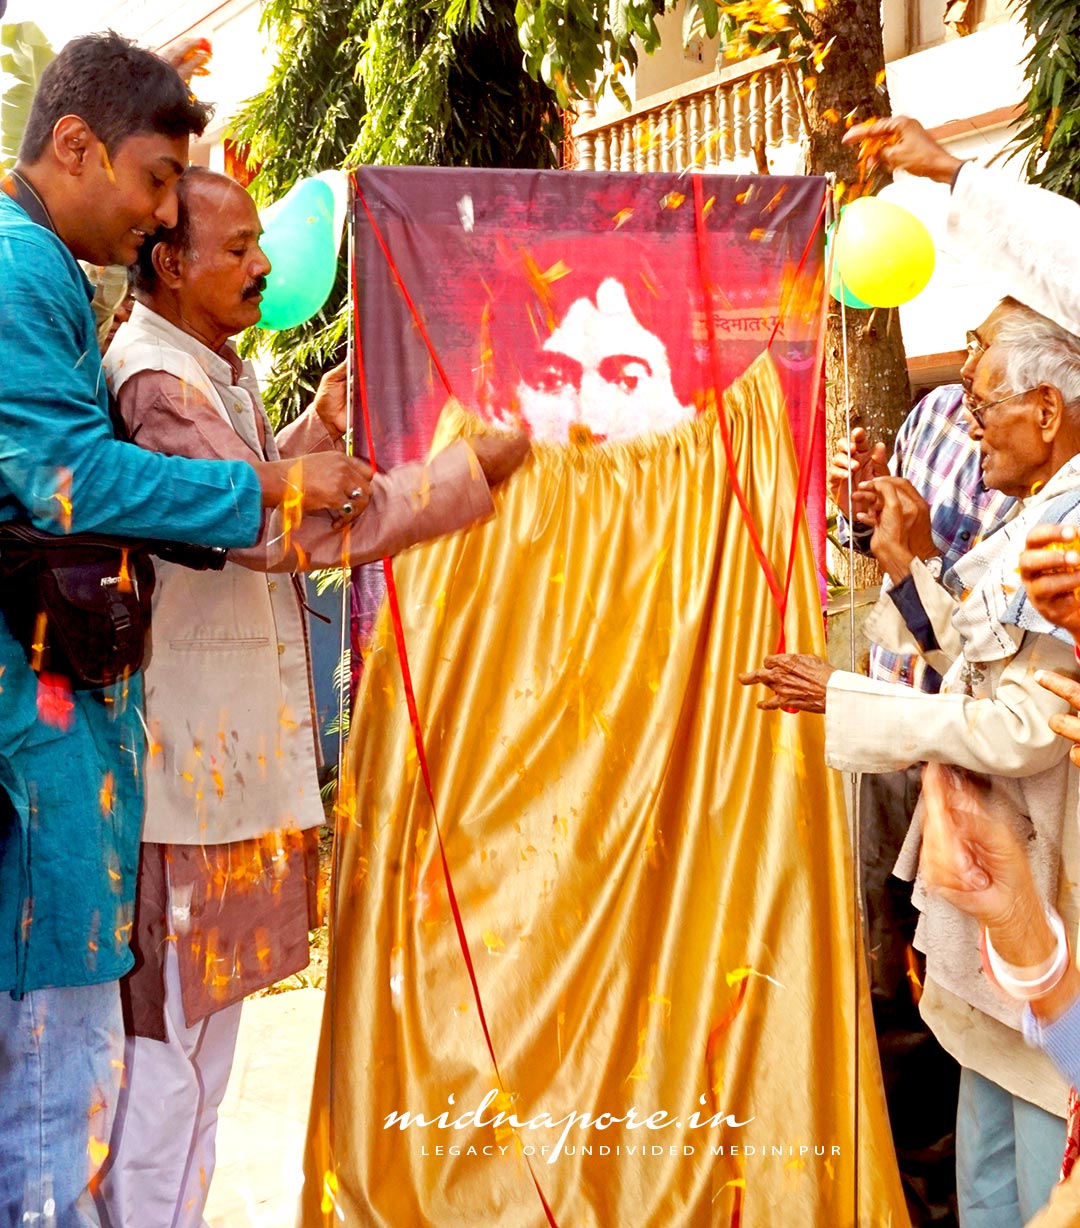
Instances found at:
x=779 y=596
x=725 y=435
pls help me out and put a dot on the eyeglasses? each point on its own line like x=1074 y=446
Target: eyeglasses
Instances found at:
x=976 y=347
x=977 y=409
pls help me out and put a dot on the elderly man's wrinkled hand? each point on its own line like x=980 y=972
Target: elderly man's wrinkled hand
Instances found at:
x=798 y=681
x=853 y=463
x=1050 y=570
x=902 y=144
x=902 y=531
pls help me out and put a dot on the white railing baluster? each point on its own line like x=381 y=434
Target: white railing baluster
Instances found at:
x=712 y=121
x=682 y=159
x=694 y=141
x=710 y=143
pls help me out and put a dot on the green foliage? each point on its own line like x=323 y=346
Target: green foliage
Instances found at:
x=306 y=119
x=384 y=81
x=581 y=47
x=24 y=60
x=1050 y=128
x=570 y=44
x=451 y=90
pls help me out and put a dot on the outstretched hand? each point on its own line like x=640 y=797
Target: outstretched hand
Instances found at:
x=902 y=144
x=798 y=681
x=970 y=856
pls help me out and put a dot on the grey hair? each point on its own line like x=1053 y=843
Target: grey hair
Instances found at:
x=1038 y=351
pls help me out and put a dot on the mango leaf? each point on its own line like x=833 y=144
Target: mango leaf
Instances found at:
x=26 y=56
x=1046 y=134
x=693 y=24
x=619 y=90
x=617 y=20
x=801 y=24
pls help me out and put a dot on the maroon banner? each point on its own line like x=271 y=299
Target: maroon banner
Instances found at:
x=585 y=305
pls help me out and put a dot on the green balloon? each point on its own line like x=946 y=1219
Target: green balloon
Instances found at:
x=300 y=241
x=849 y=299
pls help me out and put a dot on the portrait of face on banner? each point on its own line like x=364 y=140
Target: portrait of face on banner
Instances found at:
x=584 y=353
x=575 y=305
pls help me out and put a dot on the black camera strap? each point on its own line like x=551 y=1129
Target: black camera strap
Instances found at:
x=23 y=194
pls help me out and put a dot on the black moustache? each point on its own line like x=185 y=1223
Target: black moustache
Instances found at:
x=256 y=287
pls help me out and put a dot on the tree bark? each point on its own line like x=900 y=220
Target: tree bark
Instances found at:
x=851 y=78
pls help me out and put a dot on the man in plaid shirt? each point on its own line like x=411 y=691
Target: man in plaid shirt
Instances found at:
x=937 y=456
x=941 y=464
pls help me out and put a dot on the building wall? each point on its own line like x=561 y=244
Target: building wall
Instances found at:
x=672 y=64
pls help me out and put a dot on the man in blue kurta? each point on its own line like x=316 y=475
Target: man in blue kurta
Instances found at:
x=106 y=141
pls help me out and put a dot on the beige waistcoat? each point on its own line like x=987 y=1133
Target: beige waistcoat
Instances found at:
x=232 y=748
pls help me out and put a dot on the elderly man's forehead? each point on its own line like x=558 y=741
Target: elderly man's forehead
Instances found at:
x=990 y=374
x=222 y=206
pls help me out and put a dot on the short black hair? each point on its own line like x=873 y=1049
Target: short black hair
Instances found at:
x=178 y=237
x=119 y=89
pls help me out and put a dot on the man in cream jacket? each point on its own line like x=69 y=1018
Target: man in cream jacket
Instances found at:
x=990 y=718
x=229 y=857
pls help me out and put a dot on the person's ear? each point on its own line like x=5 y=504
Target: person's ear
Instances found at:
x=73 y=142
x=1051 y=410
x=167 y=264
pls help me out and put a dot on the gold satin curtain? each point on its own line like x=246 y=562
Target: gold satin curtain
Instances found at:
x=654 y=876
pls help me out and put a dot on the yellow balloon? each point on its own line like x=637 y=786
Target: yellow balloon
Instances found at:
x=885 y=254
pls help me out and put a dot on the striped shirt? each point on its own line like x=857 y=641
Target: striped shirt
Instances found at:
x=940 y=459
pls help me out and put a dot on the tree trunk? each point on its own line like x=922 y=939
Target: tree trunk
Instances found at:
x=852 y=79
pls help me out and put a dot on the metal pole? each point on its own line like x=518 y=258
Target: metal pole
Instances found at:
x=852 y=777
x=333 y=896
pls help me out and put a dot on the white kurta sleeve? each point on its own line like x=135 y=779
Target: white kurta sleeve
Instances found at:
x=1027 y=237
x=875 y=726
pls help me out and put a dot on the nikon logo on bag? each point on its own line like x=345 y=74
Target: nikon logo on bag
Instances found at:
x=105 y=581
